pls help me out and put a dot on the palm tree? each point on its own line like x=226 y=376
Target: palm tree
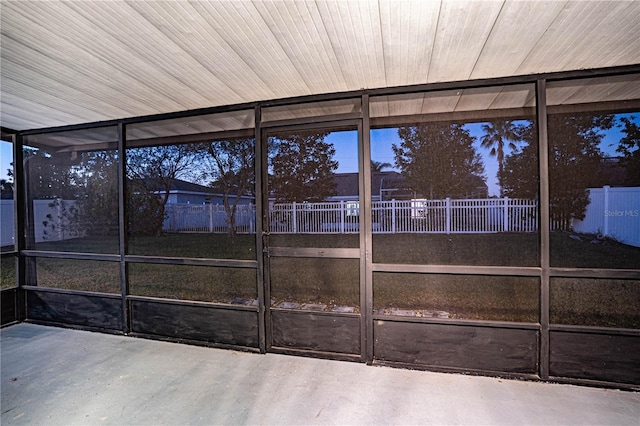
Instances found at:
x=6 y=187
x=377 y=166
x=496 y=134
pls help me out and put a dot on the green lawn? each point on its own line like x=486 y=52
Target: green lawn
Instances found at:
x=570 y=253
x=331 y=282
x=497 y=298
x=335 y=282
x=186 y=282
x=7 y=271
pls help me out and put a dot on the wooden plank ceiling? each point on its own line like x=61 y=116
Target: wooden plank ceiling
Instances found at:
x=73 y=62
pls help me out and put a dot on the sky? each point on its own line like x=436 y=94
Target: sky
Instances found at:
x=346 y=145
x=6 y=158
x=381 y=140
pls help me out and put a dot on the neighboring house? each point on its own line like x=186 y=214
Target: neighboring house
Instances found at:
x=197 y=208
x=183 y=192
x=611 y=173
x=389 y=186
x=7 y=195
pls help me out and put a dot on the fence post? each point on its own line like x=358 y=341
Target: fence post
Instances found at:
x=342 y=216
x=448 y=215
x=295 y=218
x=505 y=214
x=393 y=216
x=252 y=218
x=60 y=219
x=210 y=207
x=606 y=209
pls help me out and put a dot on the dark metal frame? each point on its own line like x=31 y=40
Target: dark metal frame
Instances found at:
x=351 y=121
x=364 y=253
x=544 y=215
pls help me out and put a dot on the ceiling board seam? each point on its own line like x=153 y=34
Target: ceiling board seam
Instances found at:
x=54 y=59
x=236 y=52
x=242 y=55
x=79 y=69
x=204 y=66
x=433 y=47
x=353 y=57
x=334 y=64
x=27 y=92
x=542 y=36
x=117 y=42
x=486 y=40
x=334 y=48
x=384 y=62
x=152 y=64
x=282 y=48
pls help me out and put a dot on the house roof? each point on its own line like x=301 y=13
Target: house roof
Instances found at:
x=65 y=63
x=347 y=183
x=184 y=186
x=178 y=185
x=611 y=172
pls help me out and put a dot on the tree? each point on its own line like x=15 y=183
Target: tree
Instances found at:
x=50 y=174
x=98 y=203
x=6 y=186
x=574 y=161
x=496 y=134
x=518 y=177
x=302 y=167
x=629 y=147
x=377 y=166
x=151 y=173
x=82 y=187
x=230 y=166
x=438 y=160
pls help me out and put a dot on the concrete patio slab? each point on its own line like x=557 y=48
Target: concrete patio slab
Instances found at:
x=58 y=376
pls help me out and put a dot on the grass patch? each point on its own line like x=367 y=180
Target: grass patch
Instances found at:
x=7 y=271
x=494 y=298
x=589 y=252
x=457 y=249
x=435 y=249
x=186 y=282
x=315 y=240
x=73 y=274
x=332 y=282
x=102 y=245
x=335 y=282
x=595 y=302
x=212 y=246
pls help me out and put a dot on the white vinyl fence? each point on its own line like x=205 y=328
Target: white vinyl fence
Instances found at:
x=455 y=216
x=342 y=217
x=207 y=218
x=49 y=217
x=336 y=217
x=613 y=213
x=6 y=224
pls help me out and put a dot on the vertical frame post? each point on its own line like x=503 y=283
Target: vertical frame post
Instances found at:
x=19 y=230
x=543 y=153
x=25 y=215
x=605 y=190
x=366 y=257
x=261 y=222
x=122 y=228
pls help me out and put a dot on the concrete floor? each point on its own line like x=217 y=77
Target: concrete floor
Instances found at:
x=53 y=376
